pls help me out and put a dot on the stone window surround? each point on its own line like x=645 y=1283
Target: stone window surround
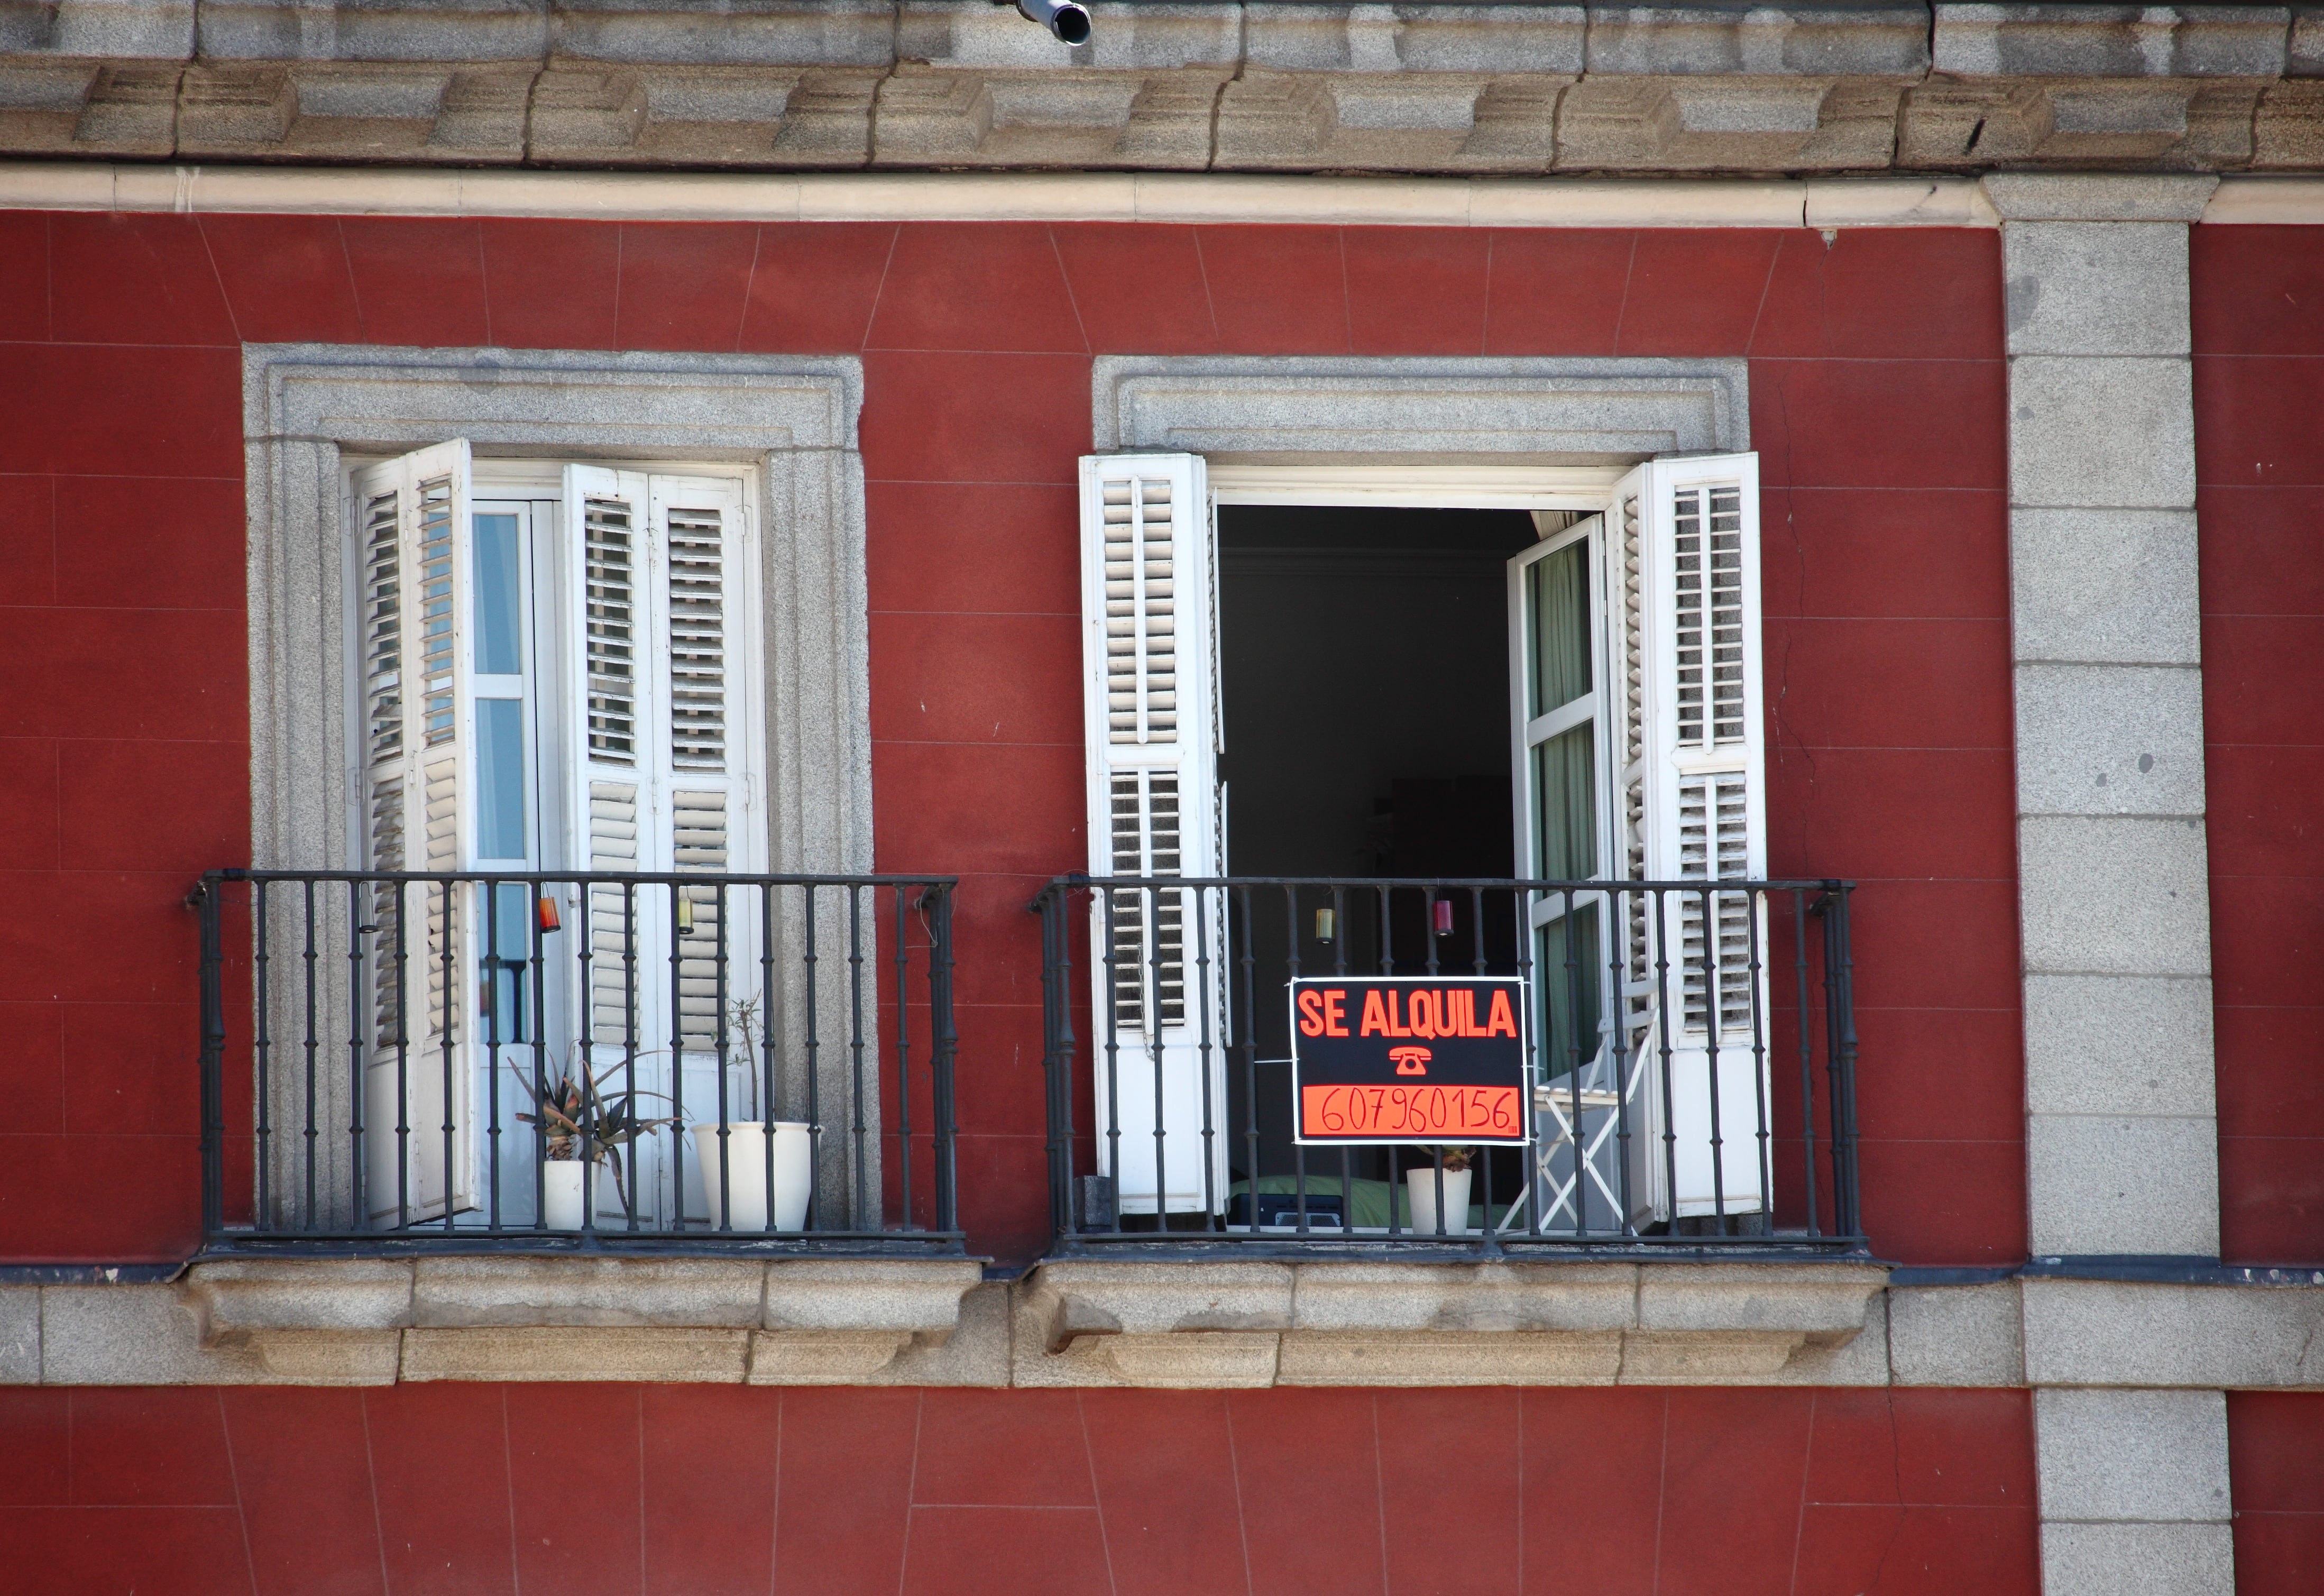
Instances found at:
x=790 y=420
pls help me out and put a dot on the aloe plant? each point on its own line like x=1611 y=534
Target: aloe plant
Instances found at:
x=575 y=1113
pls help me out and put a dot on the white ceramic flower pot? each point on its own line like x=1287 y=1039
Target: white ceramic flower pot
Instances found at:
x=560 y=1192
x=1421 y=1186
x=746 y=1173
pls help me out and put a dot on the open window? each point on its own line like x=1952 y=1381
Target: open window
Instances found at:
x=1559 y=683
x=557 y=672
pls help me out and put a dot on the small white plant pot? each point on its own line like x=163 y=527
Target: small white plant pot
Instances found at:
x=560 y=1192
x=745 y=1184
x=1421 y=1186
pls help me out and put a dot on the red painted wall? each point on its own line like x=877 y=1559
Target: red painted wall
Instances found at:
x=604 y=1488
x=1876 y=407
x=2259 y=458
x=2275 y=1467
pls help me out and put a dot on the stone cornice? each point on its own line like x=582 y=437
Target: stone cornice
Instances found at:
x=806 y=85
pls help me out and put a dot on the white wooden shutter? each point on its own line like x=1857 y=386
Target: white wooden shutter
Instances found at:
x=666 y=679
x=610 y=695
x=412 y=528
x=1692 y=792
x=1153 y=731
x=702 y=564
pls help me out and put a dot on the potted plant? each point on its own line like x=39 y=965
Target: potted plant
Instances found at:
x=1420 y=1186
x=583 y=1129
x=755 y=1171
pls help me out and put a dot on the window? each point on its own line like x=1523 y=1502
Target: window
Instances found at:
x=1634 y=753
x=558 y=671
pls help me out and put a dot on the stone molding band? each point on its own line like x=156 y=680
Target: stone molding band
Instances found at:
x=1183 y=199
x=1206 y=1326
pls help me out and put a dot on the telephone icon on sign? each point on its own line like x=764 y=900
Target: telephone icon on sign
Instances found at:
x=1410 y=1061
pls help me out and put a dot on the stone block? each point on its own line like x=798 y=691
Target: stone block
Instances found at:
x=1449 y=1358
x=1547 y=40
x=2104 y=586
x=2304 y=56
x=131 y=110
x=1451 y=1297
x=737 y=33
x=1707 y=1358
x=2109 y=739
x=239 y=1295
x=824 y=1356
x=703 y=116
x=482 y=112
x=2101 y=433
x=128 y=1335
x=2110 y=41
x=117 y=30
x=1407 y=121
x=2137 y=1560
x=2118 y=1184
x=1677 y=124
x=2098 y=196
x=1061 y=1301
x=1030 y=119
x=1179 y=1360
x=40 y=105
x=235 y=109
x=149 y=1335
x=353 y=113
x=683 y=1355
x=476 y=1292
x=20 y=1335
x=1956 y=1335
x=975 y=1353
x=374 y=30
x=2092 y=1333
x=2117 y=1456
x=1864 y=41
x=912 y=1296
x=1827 y=1303
x=2118 y=1045
x=2096 y=288
x=2175 y=125
x=1205 y=1360
x=2122 y=896
x=978 y=35
x=2288 y=130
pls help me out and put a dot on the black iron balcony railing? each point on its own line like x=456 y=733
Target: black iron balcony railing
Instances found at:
x=651 y=1062
x=1689 y=1055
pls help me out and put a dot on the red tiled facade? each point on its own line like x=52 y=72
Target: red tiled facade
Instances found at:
x=1877 y=389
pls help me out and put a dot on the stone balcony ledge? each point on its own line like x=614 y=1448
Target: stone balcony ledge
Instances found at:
x=787 y=1321
x=1159 y=1324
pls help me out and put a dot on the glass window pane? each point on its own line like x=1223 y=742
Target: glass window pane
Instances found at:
x=500 y=778
x=1557 y=602
x=499 y=621
x=1566 y=808
x=1570 y=991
